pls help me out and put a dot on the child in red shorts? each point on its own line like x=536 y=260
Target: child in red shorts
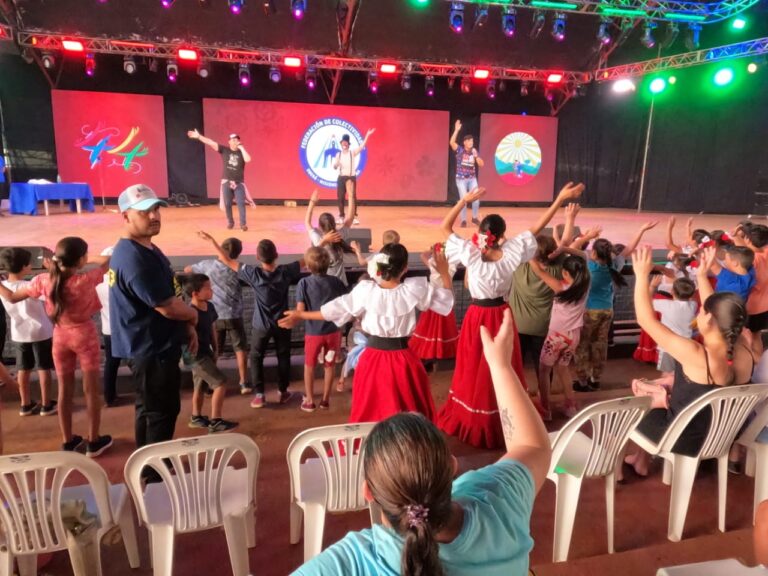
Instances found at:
x=322 y=340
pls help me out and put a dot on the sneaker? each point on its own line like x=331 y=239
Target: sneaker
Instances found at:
x=244 y=228
x=593 y=384
x=49 y=409
x=324 y=405
x=355 y=220
x=285 y=396
x=29 y=409
x=579 y=387
x=221 y=425
x=307 y=406
x=476 y=221
x=463 y=224
x=198 y=421
x=570 y=410
x=99 y=446
x=258 y=401
x=246 y=388
x=73 y=444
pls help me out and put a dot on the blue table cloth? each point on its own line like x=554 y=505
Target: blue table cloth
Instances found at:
x=24 y=197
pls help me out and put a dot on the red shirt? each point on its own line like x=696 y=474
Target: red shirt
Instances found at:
x=80 y=299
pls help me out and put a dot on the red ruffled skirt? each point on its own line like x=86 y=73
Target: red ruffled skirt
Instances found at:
x=471 y=412
x=388 y=382
x=647 y=350
x=435 y=337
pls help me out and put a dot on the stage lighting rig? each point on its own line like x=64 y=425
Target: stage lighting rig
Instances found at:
x=490 y=89
x=203 y=69
x=509 y=21
x=604 y=31
x=373 y=82
x=129 y=65
x=172 y=71
x=673 y=30
x=466 y=85
x=244 y=75
x=539 y=20
x=235 y=6
x=310 y=78
x=49 y=60
x=456 y=18
x=274 y=74
x=429 y=86
x=90 y=65
x=558 y=27
x=481 y=15
x=405 y=82
x=524 y=88
x=692 y=38
x=298 y=8
x=648 y=40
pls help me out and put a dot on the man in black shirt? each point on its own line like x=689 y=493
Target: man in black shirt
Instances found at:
x=235 y=158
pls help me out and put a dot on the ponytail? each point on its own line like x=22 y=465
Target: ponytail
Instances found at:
x=728 y=310
x=576 y=266
x=604 y=250
x=64 y=263
x=420 y=552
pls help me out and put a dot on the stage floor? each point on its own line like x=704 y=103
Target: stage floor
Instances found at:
x=418 y=226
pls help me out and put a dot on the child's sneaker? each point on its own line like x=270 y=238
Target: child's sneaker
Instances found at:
x=49 y=409
x=258 y=401
x=221 y=425
x=593 y=384
x=73 y=444
x=246 y=388
x=324 y=405
x=198 y=421
x=29 y=409
x=308 y=406
x=99 y=446
x=285 y=396
x=579 y=387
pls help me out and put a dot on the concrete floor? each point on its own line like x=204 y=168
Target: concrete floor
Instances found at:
x=641 y=504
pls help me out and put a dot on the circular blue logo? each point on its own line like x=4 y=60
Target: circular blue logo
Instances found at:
x=321 y=143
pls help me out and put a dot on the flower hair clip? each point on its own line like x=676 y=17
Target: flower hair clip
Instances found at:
x=483 y=241
x=375 y=263
x=417 y=515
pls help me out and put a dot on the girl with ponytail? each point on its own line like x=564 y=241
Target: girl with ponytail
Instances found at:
x=723 y=358
x=71 y=301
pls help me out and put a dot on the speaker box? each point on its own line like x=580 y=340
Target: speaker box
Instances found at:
x=362 y=236
x=38 y=254
x=548 y=231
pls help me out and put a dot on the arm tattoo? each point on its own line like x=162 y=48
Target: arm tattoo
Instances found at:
x=506 y=425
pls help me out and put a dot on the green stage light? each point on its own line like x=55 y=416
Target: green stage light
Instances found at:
x=724 y=76
x=751 y=67
x=739 y=23
x=657 y=85
x=672 y=79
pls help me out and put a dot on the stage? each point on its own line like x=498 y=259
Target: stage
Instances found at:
x=418 y=226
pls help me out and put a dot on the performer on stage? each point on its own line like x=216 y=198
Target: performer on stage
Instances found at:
x=467 y=161
x=345 y=162
x=235 y=158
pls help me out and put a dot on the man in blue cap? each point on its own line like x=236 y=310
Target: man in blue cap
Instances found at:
x=148 y=319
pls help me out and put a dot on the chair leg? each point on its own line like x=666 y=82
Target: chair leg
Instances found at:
x=297 y=515
x=128 y=532
x=250 y=526
x=314 y=524
x=568 y=489
x=761 y=476
x=27 y=564
x=610 y=490
x=668 y=472
x=85 y=553
x=682 y=485
x=722 y=491
x=6 y=562
x=237 y=542
x=162 y=550
x=749 y=468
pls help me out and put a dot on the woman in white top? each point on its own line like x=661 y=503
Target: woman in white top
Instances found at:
x=389 y=377
x=470 y=412
x=327 y=236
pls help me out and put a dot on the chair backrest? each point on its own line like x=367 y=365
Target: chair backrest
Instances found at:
x=340 y=452
x=731 y=405
x=30 y=498
x=612 y=423
x=756 y=425
x=193 y=471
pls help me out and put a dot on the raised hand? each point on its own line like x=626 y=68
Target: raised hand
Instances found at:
x=315 y=196
x=570 y=191
x=194 y=134
x=499 y=350
x=355 y=245
x=205 y=236
x=474 y=195
x=457 y=126
x=649 y=225
x=593 y=232
x=441 y=262
x=641 y=262
x=707 y=257
x=370 y=132
x=571 y=211
x=671 y=222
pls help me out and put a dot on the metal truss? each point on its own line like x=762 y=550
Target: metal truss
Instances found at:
x=685 y=60
x=46 y=42
x=664 y=10
x=6 y=32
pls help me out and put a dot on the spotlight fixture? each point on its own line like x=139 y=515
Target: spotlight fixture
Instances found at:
x=724 y=76
x=456 y=19
x=203 y=69
x=604 y=31
x=623 y=85
x=90 y=65
x=524 y=88
x=648 y=40
x=739 y=23
x=152 y=65
x=244 y=75
x=558 y=27
x=466 y=85
x=310 y=78
x=298 y=8
x=49 y=60
x=509 y=21
x=490 y=89
x=429 y=86
x=752 y=67
x=373 y=82
x=172 y=71
x=129 y=65
x=657 y=85
x=549 y=94
x=274 y=74
x=405 y=82
x=481 y=15
x=693 y=36
x=539 y=20
x=673 y=30
x=167 y=3
x=235 y=6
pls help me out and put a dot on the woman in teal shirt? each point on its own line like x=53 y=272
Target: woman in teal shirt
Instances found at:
x=433 y=525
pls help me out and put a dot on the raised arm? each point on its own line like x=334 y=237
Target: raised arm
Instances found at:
x=639 y=236
x=538 y=269
x=355 y=245
x=450 y=218
x=707 y=258
x=452 y=142
x=223 y=256
x=570 y=191
x=14 y=297
x=671 y=246
x=525 y=437
x=195 y=135
x=570 y=224
x=359 y=149
x=310 y=208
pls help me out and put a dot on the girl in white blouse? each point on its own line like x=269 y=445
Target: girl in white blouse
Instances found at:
x=389 y=377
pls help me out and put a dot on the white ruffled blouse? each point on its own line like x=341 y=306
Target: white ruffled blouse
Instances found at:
x=388 y=313
x=489 y=279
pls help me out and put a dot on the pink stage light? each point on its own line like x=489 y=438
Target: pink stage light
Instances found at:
x=73 y=46
x=188 y=54
x=554 y=78
x=292 y=62
x=482 y=73
x=388 y=68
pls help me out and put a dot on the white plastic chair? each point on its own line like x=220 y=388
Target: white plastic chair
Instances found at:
x=730 y=408
x=33 y=525
x=199 y=491
x=330 y=482
x=757 y=455
x=576 y=456
x=729 y=567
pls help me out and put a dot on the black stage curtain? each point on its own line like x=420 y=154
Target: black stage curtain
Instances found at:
x=186 y=158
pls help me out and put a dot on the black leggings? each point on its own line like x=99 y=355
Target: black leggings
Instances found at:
x=341 y=192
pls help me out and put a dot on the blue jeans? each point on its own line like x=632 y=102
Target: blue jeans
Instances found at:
x=239 y=196
x=465 y=186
